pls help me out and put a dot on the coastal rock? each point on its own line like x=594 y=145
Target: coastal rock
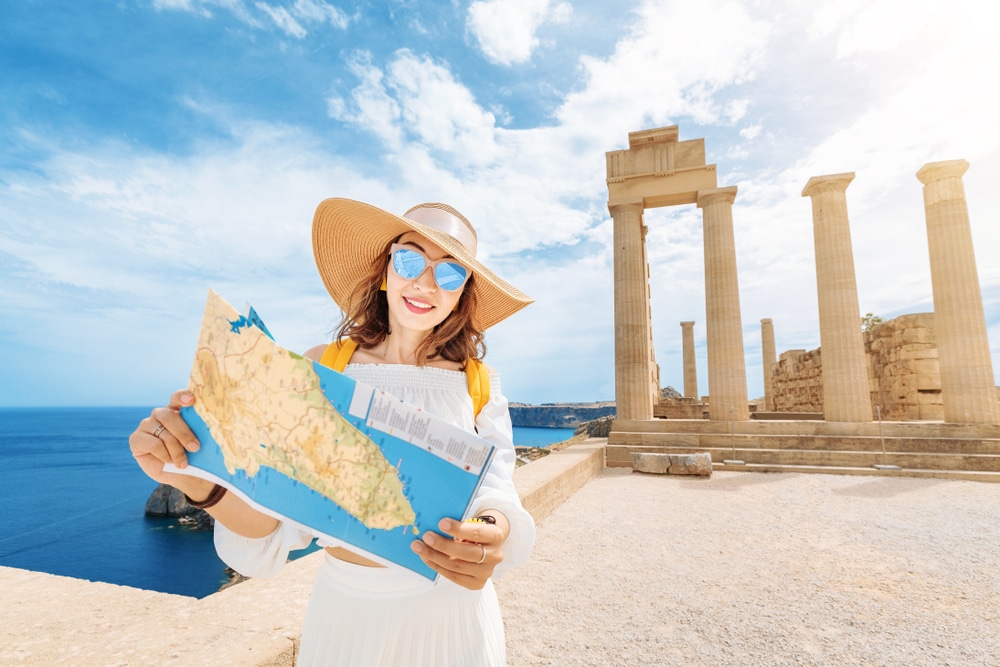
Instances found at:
x=558 y=415
x=169 y=502
x=232 y=578
x=528 y=454
x=596 y=428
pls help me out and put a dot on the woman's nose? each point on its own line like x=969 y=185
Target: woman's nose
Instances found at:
x=426 y=279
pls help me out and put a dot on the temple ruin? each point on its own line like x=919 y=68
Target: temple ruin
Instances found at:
x=906 y=382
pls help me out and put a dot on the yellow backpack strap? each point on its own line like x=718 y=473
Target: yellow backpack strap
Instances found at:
x=338 y=353
x=479 y=384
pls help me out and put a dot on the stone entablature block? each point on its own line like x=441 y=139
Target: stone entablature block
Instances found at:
x=638 y=173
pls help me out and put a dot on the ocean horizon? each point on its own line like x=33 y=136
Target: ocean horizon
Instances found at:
x=75 y=502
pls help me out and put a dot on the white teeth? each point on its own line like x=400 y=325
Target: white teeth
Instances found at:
x=425 y=306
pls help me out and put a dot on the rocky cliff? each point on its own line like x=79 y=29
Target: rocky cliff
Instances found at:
x=558 y=415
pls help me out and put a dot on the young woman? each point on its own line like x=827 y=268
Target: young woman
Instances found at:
x=416 y=303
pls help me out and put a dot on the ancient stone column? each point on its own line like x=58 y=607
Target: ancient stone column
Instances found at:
x=632 y=322
x=769 y=357
x=727 y=380
x=690 y=367
x=967 y=388
x=846 y=396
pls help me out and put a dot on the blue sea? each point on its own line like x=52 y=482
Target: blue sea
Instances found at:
x=73 y=502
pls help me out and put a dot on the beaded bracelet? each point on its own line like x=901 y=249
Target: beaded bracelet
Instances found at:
x=483 y=518
x=213 y=498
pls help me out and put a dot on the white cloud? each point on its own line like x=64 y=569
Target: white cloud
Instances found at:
x=418 y=99
x=282 y=18
x=506 y=29
x=320 y=12
x=440 y=111
x=132 y=241
x=180 y=5
x=204 y=8
x=370 y=106
x=651 y=79
x=289 y=18
x=884 y=25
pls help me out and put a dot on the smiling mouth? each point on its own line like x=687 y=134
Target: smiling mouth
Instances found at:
x=417 y=307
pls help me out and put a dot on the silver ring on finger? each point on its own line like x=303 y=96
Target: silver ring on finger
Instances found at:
x=480 y=561
x=158 y=430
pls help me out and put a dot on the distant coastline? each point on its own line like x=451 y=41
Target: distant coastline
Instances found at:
x=559 y=415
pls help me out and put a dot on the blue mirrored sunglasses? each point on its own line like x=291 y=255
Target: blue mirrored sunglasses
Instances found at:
x=410 y=263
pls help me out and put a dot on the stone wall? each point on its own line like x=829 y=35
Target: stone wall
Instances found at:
x=797 y=381
x=903 y=368
x=902 y=371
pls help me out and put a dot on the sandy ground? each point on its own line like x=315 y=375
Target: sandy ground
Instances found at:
x=761 y=569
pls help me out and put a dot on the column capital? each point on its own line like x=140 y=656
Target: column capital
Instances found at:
x=937 y=171
x=687 y=324
x=716 y=196
x=625 y=205
x=766 y=320
x=830 y=182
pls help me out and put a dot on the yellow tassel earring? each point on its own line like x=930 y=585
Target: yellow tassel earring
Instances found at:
x=385 y=284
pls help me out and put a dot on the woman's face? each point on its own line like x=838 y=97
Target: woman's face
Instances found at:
x=419 y=304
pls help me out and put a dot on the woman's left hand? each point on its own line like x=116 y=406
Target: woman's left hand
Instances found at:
x=467 y=556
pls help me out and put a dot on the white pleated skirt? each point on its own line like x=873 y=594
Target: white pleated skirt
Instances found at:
x=385 y=617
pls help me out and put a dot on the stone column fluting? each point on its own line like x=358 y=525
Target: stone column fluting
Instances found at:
x=727 y=380
x=846 y=396
x=654 y=368
x=632 y=325
x=967 y=383
x=690 y=365
x=769 y=357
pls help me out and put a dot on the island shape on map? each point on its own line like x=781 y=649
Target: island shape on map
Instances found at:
x=264 y=406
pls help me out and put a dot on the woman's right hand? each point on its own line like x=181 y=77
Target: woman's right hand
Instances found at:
x=153 y=446
x=164 y=437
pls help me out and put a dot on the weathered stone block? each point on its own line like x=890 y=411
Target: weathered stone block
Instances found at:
x=673 y=464
x=920 y=335
x=932 y=412
x=929 y=398
x=928 y=381
x=928 y=367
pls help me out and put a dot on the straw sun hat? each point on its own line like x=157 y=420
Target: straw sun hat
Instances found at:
x=348 y=236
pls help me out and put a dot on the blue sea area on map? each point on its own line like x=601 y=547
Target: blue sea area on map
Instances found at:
x=440 y=488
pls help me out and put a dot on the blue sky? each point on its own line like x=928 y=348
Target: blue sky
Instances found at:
x=152 y=149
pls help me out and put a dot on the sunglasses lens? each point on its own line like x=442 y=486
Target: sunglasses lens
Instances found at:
x=408 y=264
x=450 y=276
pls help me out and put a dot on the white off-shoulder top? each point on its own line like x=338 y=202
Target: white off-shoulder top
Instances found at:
x=445 y=394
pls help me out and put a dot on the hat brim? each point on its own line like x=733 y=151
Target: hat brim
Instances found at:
x=348 y=236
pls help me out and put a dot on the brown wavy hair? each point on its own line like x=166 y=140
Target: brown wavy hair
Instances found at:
x=366 y=322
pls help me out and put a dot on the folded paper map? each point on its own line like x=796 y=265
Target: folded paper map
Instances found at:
x=351 y=464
